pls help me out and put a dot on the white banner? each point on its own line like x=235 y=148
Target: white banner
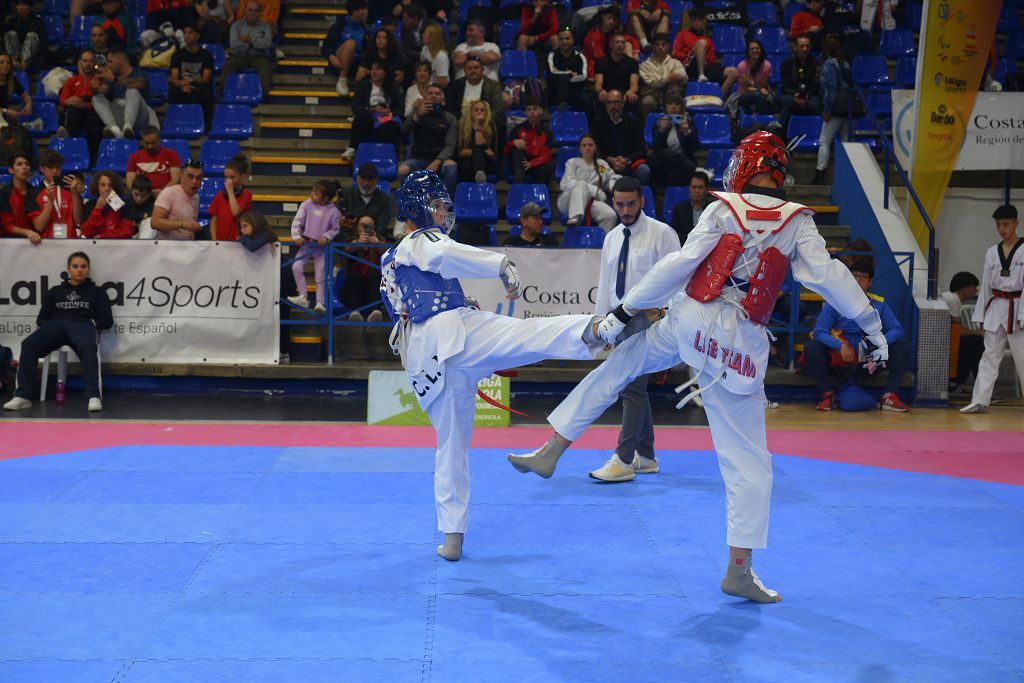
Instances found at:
x=995 y=131
x=173 y=302
x=556 y=282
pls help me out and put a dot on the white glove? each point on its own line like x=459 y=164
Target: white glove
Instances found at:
x=873 y=343
x=609 y=329
x=876 y=348
x=510 y=278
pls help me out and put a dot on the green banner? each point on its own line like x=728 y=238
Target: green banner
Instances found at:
x=391 y=401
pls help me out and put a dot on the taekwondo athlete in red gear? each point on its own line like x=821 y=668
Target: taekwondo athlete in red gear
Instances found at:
x=720 y=289
x=447 y=346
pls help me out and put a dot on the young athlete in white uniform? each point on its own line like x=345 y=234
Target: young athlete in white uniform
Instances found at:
x=731 y=266
x=447 y=346
x=999 y=310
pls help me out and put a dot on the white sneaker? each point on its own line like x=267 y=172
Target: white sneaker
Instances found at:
x=128 y=132
x=480 y=177
x=319 y=309
x=355 y=317
x=375 y=316
x=614 y=470
x=642 y=465
x=113 y=132
x=966 y=410
x=342 y=86
x=18 y=403
x=62 y=132
x=299 y=300
x=349 y=154
x=95 y=405
x=702 y=79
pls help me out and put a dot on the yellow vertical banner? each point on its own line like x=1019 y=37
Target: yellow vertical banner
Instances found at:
x=956 y=36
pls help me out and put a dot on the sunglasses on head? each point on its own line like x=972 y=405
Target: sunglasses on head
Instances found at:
x=195 y=163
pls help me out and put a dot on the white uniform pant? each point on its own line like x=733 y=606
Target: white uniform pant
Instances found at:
x=493 y=342
x=737 y=425
x=573 y=202
x=988 y=368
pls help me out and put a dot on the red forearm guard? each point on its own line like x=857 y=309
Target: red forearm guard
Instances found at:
x=710 y=276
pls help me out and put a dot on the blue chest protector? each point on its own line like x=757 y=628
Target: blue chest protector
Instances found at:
x=426 y=294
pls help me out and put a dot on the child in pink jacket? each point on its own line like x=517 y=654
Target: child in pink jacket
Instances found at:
x=315 y=224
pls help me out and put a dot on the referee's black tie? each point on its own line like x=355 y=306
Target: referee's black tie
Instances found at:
x=620 y=276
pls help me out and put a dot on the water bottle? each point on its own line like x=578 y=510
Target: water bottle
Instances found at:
x=60 y=393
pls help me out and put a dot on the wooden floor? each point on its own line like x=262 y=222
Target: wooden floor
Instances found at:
x=1003 y=418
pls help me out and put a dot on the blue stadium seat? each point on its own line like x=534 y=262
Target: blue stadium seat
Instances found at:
x=75 y=152
x=729 y=38
x=507 y=31
x=243 y=88
x=57 y=7
x=677 y=8
x=516 y=230
x=871 y=71
x=583 y=238
x=564 y=154
x=805 y=125
x=527 y=192
x=140 y=23
x=380 y=154
x=518 y=64
x=216 y=153
x=716 y=162
x=650 y=208
x=914 y=18
x=774 y=40
x=761 y=14
x=713 y=130
x=492 y=234
x=755 y=119
x=231 y=121
x=791 y=9
x=906 y=72
x=865 y=131
x=1008 y=19
x=136 y=8
x=568 y=126
x=183 y=121
x=897 y=42
x=879 y=103
x=207 y=191
x=157 y=85
x=1014 y=46
x=384 y=186
x=466 y=5
x=47 y=113
x=217 y=52
x=54 y=28
x=113 y=155
x=730 y=58
x=81 y=27
x=673 y=195
x=180 y=147
x=22 y=77
x=709 y=89
x=476 y=203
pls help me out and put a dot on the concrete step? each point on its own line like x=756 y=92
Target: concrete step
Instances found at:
x=303 y=51
x=324 y=81
x=291 y=37
x=320 y=110
x=314 y=145
x=318 y=10
x=307 y=22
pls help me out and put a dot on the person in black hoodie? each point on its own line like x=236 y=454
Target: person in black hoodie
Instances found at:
x=25 y=37
x=73 y=314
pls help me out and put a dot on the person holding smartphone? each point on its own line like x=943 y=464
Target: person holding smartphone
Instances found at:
x=58 y=210
x=361 y=286
x=673 y=156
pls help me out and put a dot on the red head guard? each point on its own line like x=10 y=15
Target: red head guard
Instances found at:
x=760 y=152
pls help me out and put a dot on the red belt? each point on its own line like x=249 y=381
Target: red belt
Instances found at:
x=1010 y=296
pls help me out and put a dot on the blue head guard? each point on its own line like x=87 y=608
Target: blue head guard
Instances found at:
x=423 y=199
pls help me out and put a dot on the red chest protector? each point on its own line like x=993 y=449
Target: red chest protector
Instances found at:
x=756 y=223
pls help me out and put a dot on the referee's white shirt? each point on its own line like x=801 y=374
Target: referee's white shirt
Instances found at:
x=650 y=241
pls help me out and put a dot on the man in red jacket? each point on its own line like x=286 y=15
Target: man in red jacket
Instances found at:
x=696 y=50
x=596 y=42
x=807 y=22
x=529 y=146
x=76 y=112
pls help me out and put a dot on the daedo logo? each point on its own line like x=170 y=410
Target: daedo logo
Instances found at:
x=942 y=117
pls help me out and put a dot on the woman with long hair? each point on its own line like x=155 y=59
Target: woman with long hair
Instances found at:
x=588 y=180
x=752 y=82
x=415 y=92
x=478 y=142
x=10 y=88
x=384 y=49
x=376 y=100
x=435 y=51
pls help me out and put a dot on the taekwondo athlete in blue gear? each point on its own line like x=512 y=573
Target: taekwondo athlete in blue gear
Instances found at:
x=447 y=346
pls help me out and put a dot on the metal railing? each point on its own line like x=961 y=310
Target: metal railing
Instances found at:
x=890 y=160
x=791 y=325
x=335 y=315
